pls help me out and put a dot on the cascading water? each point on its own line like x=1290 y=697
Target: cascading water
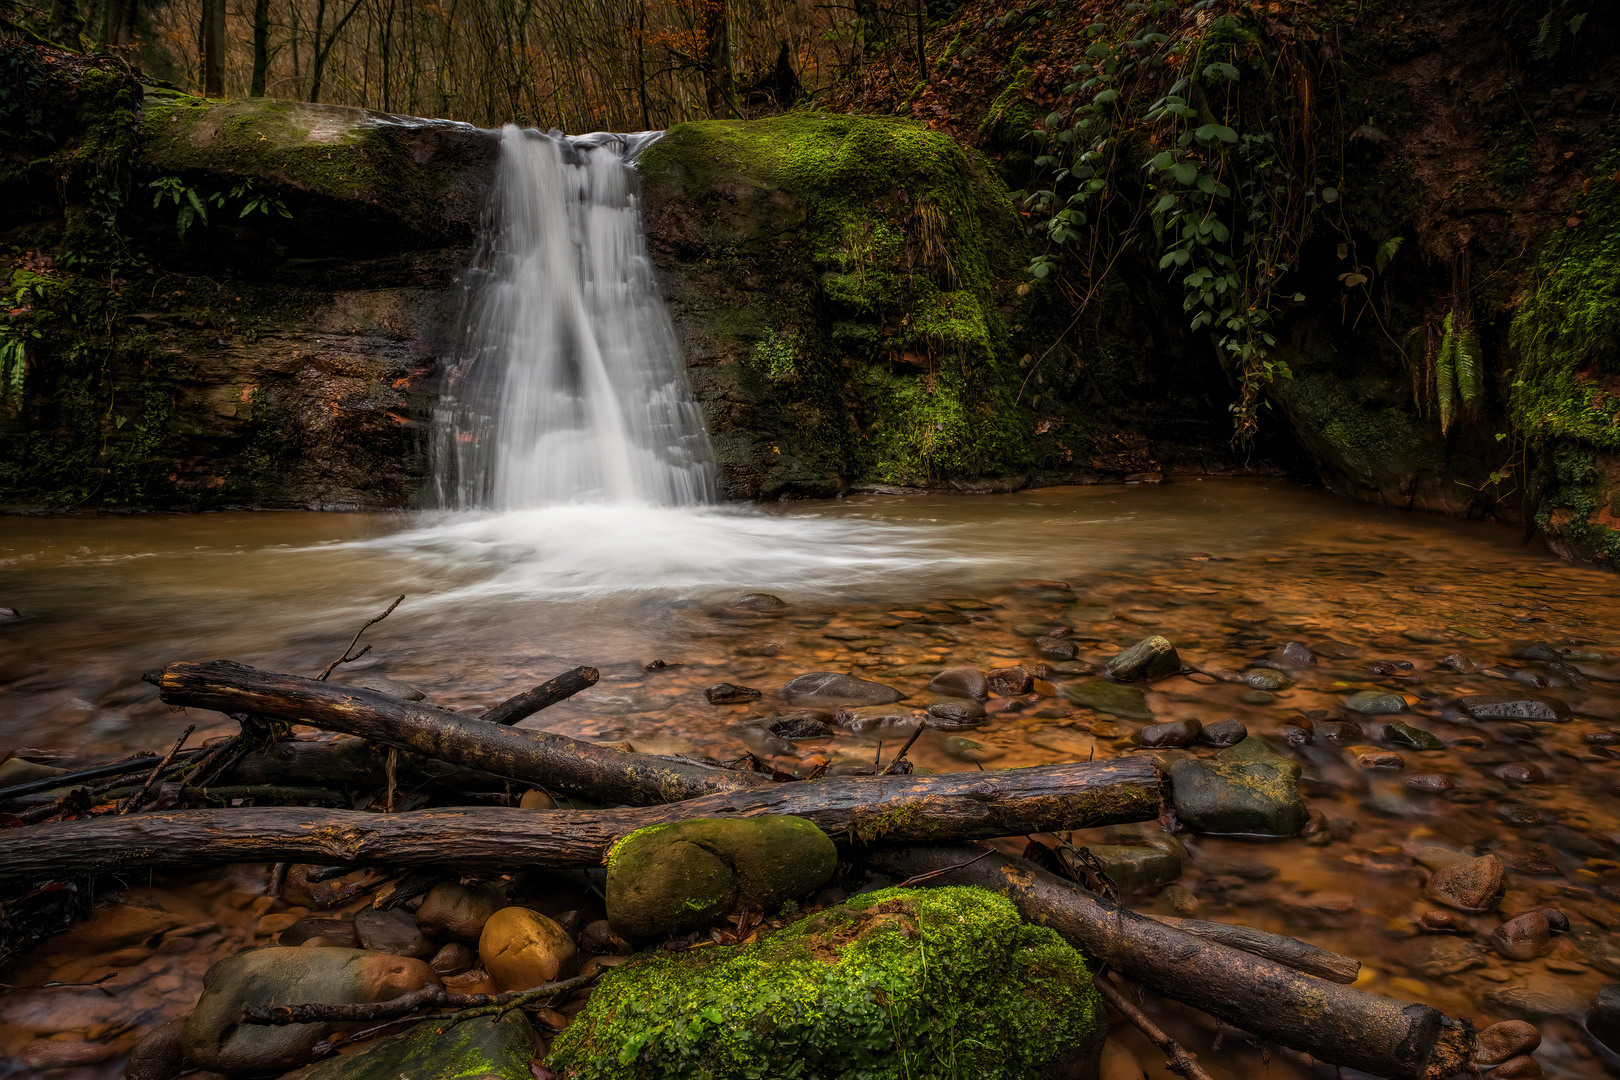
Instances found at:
x=570 y=386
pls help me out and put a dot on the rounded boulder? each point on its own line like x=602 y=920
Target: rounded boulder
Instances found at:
x=522 y=949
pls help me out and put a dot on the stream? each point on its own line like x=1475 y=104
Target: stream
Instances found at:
x=891 y=589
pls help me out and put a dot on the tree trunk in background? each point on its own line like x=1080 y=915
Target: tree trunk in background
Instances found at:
x=119 y=25
x=67 y=23
x=213 y=48
x=261 y=46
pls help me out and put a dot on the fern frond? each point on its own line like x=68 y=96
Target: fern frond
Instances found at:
x=1547 y=39
x=1466 y=366
x=1445 y=375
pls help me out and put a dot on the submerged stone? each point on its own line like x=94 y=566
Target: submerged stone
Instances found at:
x=1125 y=702
x=483 y=1048
x=1376 y=702
x=955 y=715
x=673 y=878
x=1136 y=868
x=837 y=688
x=893 y=984
x=1151 y=658
x=1513 y=707
x=1249 y=789
x=724 y=693
x=1406 y=735
x=1174 y=733
x=963 y=682
x=1267 y=679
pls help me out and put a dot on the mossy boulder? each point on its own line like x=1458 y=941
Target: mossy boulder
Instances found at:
x=674 y=878
x=893 y=984
x=1248 y=789
x=842 y=285
x=483 y=1048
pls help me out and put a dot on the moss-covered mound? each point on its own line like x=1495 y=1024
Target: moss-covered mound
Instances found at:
x=852 y=320
x=898 y=983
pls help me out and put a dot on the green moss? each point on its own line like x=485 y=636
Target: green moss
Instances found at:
x=893 y=984
x=908 y=241
x=1567 y=329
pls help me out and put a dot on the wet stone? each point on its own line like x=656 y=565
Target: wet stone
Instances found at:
x=1125 y=702
x=1267 y=679
x=1520 y=772
x=1416 y=738
x=393 y=932
x=1336 y=650
x=1444 y=922
x=806 y=724
x=1380 y=759
x=1338 y=731
x=1514 y=707
x=1519 y=814
x=757 y=601
x=1149 y=659
x=955 y=715
x=1249 y=789
x=962 y=682
x=1538 y=997
x=1138 y=869
x=1603 y=1017
x=1258 y=697
x=1457 y=663
x=837 y=688
x=725 y=693
x=1073 y=667
x=1223 y=733
x=1438 y=957
x=1430 y=782
x=1056 y=648
x=1174 y=733
x=1524 y=937
x=1292 y=655
x=1011 y=681
x=973 y=752
x=1375 y=702
x=1470 y=885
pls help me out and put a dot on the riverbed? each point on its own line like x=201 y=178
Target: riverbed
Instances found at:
x=892 y=589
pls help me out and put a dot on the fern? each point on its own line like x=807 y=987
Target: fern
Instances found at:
x=1445 y=375
x=13 y=367
x=1465 y=366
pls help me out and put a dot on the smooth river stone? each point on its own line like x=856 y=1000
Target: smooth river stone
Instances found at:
x=1125 y=702
x=1223 y=733
x=837 y=688
x=1151 y=658
x=1376 y=702
x=1470 y=885
x=1513 y=707
x=1249 y=789
x=962 y=682
x=1416 y=738
x=1174 y=733
x=1267 y=679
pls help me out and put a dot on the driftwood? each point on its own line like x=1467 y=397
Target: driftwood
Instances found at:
x=353 y=764
x=554 y=761
x=544 y=696
x=1332 y=1023
x=852 y=810
x=1291 y=952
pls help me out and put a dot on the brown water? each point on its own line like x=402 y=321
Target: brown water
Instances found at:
x=891 y=589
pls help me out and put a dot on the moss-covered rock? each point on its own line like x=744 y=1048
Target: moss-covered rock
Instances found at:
x=1249 y=789
x=684 y=875
x=483 y=1048
x=840 y=282
x=892 y=984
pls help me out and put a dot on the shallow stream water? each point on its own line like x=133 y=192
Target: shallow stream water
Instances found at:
x=892 y=589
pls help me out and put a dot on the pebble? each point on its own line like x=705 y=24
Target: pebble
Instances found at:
x=1292 y=655
x=1524 y=937
x=1174 y=733
x=1223 y=733
x=1519 y=814
x=1513 y=707
x=1375 y=702
x=1523 y=1067
x=1520 y=772
x=521 y=949
x=1448 y=922
x=1430 y=781
x=1056 y=648
x=724 y=693
x=598 y=936
x=160 y=1055
x=393 y=932
x=454 y=910
x=1380 y=759
x=1603 y=1017
x=62 y=1053
x=1405 y=735
x=823 y=688
x=535 y=799
x=804 y=725
x=1267 y=679
x=956 y=715
x=1258 y=697
x=1149 y=659
x=453 y=959
x=1339 y=731
x=1471 y=885
x=1011 y=681
x=1181 y=900
x=963 y=682
x=1116 y=699
x=974 y=752
x=757 y=601
x=1457 y=663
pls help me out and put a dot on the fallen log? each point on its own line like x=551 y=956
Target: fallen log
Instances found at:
x=1299 y=955
x=543 y=758
x=853 y=810
x=354 y=764
x=1335 y=1024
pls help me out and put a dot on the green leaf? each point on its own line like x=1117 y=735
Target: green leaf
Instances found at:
x=1185 y=173
x=1105 y=96
x=1165 y=202
x=1162 y=160
x=1226 y=71
x=1206 y=184
x=1211 y=132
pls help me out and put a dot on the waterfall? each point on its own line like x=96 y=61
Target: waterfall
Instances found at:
x=569 y=386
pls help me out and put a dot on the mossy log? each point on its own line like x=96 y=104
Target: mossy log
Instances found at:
x=1335 y=1024
x=599 y=773
x=853 y=810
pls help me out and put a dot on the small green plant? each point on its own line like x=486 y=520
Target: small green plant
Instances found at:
x=13 y=363
x=1457 y=379
x=193 y=204
x=777 y=356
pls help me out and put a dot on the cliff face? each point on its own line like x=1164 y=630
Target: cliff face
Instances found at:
x=224 y=303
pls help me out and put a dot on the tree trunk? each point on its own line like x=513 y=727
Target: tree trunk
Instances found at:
x=541 y=758
x=213 y=48
x=855 y=810
x=261 y=47
x=1332 y=1023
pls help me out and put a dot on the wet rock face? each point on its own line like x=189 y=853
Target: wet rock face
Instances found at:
x=215 y=1039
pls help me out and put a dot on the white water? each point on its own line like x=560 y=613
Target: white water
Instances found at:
x=570 y=386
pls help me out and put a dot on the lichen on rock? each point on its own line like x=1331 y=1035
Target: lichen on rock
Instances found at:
x=896 y=983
